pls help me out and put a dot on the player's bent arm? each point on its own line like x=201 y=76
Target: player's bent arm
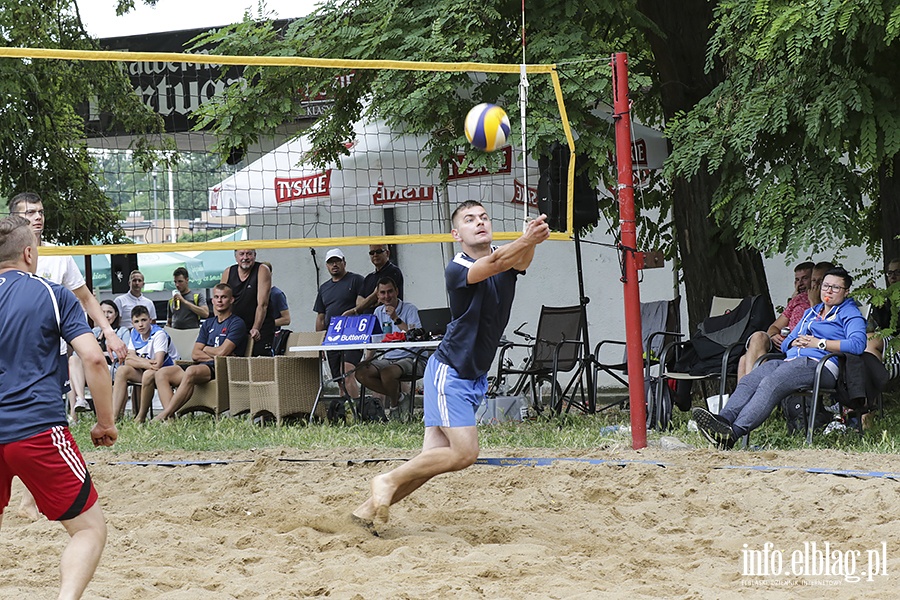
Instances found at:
x=96 y=374
x=138 y=362
x=198 y=353
x=158 y=360
x=515 y=255
x=320 y=322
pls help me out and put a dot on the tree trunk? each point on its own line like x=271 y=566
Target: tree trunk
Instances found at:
x=710 y=261
x=889 y=198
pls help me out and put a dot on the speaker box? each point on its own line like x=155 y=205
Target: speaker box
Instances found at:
x=121 y=266
x=554 y=169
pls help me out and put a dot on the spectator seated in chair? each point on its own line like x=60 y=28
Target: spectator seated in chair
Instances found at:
x=224 y=335
x=834 y=325
x=76 y=367
x=149 y=349
x=807 y=280
x=880 y=320
x=383 y=375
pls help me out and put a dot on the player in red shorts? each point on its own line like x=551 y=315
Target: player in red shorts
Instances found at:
x=35 y=443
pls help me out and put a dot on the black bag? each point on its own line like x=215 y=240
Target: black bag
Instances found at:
x=279 y=342
x=337 y=411
x=665 y=402
x=703 y=354
x=370 y=409
x=795 y=410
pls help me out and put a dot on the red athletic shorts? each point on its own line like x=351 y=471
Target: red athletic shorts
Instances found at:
x=51 y=467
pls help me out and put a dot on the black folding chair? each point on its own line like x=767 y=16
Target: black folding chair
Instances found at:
x=557 y=348
x=654 y=342
x=661 y=411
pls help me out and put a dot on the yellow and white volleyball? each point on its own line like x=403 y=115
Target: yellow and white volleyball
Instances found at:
x=487 y=127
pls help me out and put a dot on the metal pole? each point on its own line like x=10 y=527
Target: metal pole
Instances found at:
x=173 y=231
x=622 y=108
x=585 y=335
x=155 y=216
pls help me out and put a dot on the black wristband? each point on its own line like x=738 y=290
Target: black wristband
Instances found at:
x=397 y=321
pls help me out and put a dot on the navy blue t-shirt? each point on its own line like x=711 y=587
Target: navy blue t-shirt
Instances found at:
x=337 y=297
x=34 y=314
x=480 y=313
x=388 y=270
x=213 y=334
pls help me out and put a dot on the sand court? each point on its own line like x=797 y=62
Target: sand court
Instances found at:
x=662 y=524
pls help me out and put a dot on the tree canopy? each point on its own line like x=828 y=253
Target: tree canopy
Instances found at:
x=42 y=147
x=804 y=127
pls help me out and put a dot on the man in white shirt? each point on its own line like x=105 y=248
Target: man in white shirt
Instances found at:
x=64 y=271
x=133 y=297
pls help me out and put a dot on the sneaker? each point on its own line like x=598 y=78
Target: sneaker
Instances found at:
x=835 y=427
x=714 y=428
x=81 y=405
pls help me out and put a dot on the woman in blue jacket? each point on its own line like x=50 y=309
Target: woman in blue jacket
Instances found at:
x=835 y=325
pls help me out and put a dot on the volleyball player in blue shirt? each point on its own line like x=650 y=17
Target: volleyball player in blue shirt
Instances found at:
x=35 y=442
x=481 y=284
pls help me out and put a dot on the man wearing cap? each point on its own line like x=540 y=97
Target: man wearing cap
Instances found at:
x=337 y=297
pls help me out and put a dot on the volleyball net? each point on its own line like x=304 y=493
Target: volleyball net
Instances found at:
x=274 y=193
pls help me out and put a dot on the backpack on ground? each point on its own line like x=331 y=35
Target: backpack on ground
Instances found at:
x=337 y=411
x=795 y=410
x=370 y=409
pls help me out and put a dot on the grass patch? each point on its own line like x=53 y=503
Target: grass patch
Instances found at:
x=567 y=432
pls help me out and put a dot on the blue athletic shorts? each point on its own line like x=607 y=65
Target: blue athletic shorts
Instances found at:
x=451 y=401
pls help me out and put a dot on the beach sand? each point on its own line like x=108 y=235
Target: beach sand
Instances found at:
x=665 y=524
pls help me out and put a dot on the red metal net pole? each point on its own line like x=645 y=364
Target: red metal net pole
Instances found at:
x=628 y=247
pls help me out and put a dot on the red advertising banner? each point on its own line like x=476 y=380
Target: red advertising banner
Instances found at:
x=302 y=188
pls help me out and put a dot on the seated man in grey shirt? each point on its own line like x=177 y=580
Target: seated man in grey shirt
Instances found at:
x=383 y=374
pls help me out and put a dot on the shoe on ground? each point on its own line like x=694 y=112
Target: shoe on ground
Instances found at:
x=81 y=405
x=714 y=428
x=835 y=427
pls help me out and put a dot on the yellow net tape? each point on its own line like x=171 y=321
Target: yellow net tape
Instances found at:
x=296 y=61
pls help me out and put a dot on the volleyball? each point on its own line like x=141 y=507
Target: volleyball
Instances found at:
x=487 y=127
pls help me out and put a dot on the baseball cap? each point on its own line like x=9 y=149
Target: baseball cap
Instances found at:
x=334 y=253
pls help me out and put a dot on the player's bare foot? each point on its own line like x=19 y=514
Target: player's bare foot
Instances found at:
x=28 y=509
x=382 y=494
x=366 y=524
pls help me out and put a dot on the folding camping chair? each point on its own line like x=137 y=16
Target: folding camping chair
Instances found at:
x=746 y=315
x=556 y=348
x=660 y=325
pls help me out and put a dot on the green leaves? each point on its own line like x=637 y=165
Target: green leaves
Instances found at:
x=801 y=124
x=42 y=133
